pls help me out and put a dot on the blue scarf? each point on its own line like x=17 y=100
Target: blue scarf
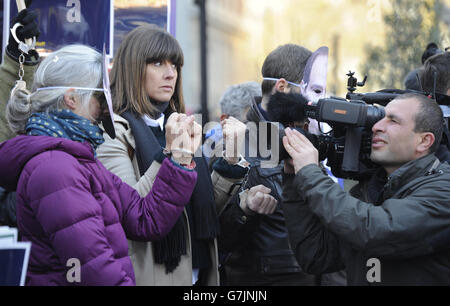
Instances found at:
x=65 y=124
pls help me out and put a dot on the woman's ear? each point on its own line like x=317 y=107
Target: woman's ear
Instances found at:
x=69 y=99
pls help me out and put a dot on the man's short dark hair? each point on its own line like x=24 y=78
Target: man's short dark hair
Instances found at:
x=429 y=118
x=288 y=62
x=439 y=66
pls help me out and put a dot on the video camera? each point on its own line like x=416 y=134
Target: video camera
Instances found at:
x=347 y=146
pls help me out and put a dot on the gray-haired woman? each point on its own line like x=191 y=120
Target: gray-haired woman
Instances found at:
x=69 y=206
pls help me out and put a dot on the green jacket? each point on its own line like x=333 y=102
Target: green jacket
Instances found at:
x=9 y=73
x=331 y=229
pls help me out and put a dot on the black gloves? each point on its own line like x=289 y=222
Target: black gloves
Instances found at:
x=29 y=29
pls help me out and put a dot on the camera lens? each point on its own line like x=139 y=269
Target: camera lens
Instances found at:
x=374 y=114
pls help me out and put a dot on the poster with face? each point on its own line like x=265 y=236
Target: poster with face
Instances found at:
x=314 y=88
x=91 y=22
x=314 y=83
x=128 y=14
x=64 y=22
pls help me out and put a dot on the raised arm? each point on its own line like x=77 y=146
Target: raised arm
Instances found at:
x=152 y=217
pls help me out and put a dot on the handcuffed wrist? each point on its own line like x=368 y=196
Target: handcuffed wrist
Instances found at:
x=180 y=156
x=190 y=167
x=30 y=59
x=236 y=161
x=182 y=160
x=231 y=160
x=243 y=197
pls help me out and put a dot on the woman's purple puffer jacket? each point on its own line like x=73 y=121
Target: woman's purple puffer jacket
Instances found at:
x=70 y=207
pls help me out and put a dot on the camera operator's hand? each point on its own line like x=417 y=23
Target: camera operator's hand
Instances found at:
x=29 y=29
x=234 y=137
x=300 y=149
x=258 y=200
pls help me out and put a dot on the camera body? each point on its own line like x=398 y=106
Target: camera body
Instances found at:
x=347 y=147
x=349 y=143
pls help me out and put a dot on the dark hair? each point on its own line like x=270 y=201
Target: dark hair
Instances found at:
x=430 y=50
x=144 y=45
x=288 y=62
x=429 y=118
x=436 y=67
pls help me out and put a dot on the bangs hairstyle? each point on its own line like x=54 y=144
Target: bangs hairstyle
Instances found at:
x=144 y=45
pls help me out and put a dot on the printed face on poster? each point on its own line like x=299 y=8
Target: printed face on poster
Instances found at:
x=64 y=22
x=128 y=14
x=92 y=22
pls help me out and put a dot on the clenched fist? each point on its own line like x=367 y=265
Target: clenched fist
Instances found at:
x=234 y=138
x=183 y=137
x=258 y=200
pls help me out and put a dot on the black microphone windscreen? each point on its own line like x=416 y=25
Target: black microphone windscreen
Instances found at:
x=286 y=108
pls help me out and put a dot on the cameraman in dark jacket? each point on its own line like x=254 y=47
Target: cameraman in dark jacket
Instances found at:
x=389 y=229
x=256 y=246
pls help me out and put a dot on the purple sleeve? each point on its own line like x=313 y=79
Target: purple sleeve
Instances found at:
x=152 y=217
x=73 y=221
